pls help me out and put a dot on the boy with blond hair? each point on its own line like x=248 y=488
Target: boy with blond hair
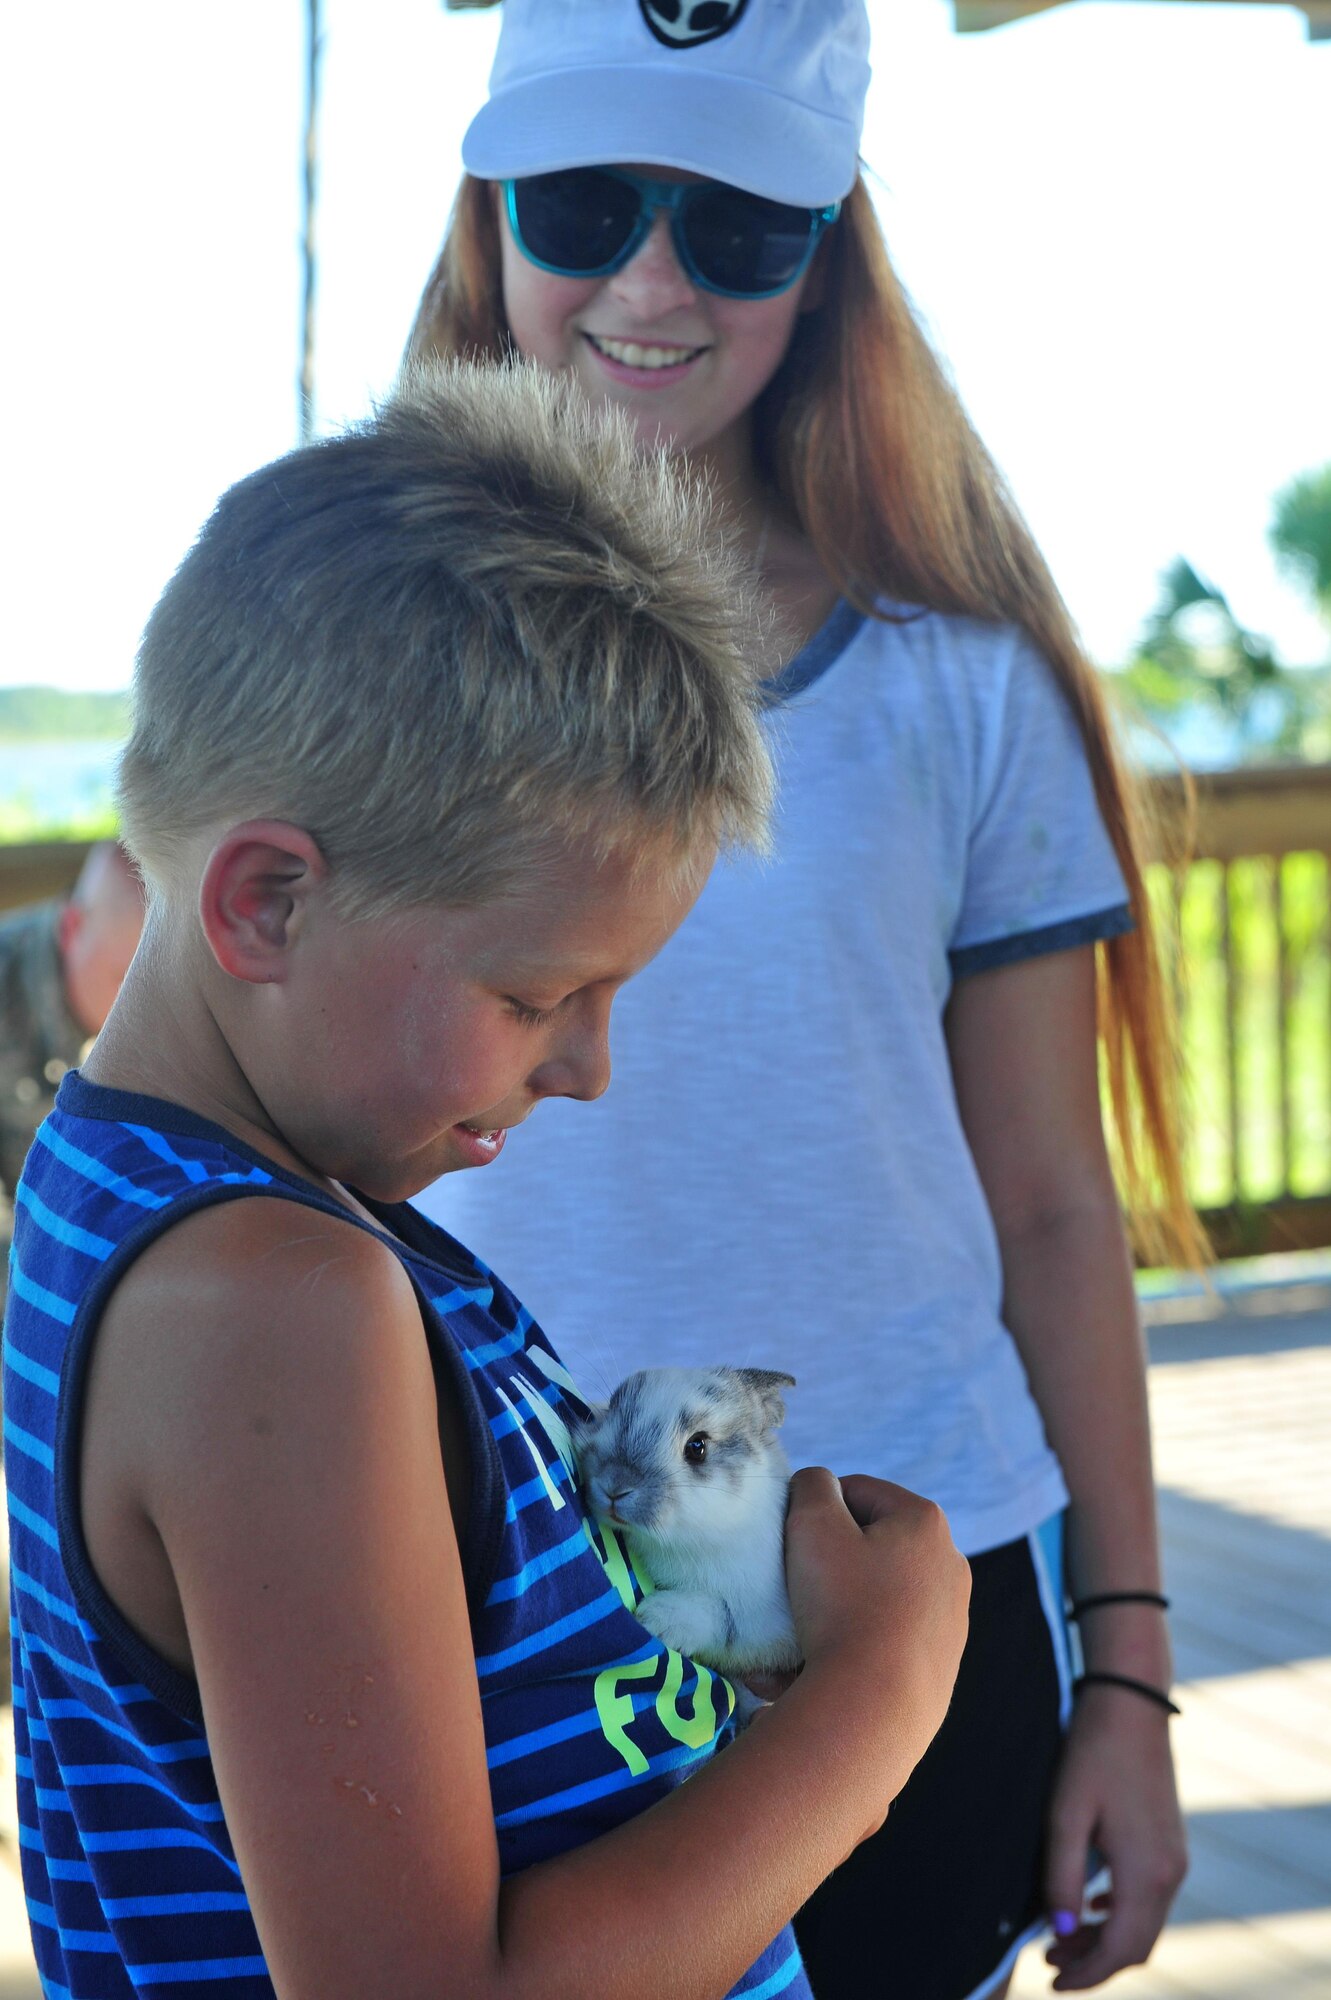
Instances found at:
x=327 y=1687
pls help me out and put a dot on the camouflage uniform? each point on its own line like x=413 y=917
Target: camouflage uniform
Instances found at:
x=39 y=1037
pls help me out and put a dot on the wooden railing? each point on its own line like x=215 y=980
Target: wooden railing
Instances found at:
x=39 y=868
x=1249 y=921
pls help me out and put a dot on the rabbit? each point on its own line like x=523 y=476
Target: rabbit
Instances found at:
x=685 y=1464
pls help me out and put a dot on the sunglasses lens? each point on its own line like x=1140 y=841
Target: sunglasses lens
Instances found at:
x=576 y=221
x=741 y=243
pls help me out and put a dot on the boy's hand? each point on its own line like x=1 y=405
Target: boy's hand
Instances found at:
x=879 y=1592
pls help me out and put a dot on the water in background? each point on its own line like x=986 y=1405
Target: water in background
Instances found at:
x=44 y=785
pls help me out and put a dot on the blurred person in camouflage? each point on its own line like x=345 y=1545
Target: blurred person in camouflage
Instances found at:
x=61 y=964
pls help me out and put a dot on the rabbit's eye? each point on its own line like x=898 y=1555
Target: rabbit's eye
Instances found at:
x=695 y=1451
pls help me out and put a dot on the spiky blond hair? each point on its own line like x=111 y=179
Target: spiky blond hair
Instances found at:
x=480 y=623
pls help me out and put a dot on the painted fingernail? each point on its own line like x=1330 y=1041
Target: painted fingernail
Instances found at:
x=1065 y=1922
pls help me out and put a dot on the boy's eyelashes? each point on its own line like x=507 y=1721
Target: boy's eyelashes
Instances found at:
x=531 y=1017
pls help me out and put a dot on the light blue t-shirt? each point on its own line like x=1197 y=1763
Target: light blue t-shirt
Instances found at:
x=778 y=1174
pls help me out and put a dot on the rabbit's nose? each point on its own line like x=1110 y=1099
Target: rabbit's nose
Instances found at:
x=614 y=1495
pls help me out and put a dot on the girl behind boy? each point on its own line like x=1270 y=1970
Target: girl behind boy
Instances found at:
x=856 y=1097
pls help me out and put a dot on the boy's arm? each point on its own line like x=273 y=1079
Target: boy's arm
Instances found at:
x=279 y=1434
x=1023 y=1049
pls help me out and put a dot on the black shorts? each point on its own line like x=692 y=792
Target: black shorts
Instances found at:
x=939 y=1902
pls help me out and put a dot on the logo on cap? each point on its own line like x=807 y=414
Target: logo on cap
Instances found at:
x=681 y=25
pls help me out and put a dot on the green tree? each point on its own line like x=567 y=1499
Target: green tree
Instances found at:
x=1195 y=655
x=1301 y=534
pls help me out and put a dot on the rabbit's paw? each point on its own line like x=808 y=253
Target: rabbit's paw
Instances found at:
x=688 y=1621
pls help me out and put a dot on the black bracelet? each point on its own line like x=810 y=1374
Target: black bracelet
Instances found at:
x=1157 y=1695
x=1118 y=1597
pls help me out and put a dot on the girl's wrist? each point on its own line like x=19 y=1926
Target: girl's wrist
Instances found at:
x=1128 y=1639
x=1148 y=1692
x=1108 y=1600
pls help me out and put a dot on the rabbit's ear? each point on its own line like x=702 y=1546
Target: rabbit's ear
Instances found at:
x=766 y=1384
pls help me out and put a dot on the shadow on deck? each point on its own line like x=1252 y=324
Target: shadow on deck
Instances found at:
x=1241 y=1402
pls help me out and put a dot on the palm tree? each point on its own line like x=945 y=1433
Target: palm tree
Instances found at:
x=1194 y=633
x=1194 y=654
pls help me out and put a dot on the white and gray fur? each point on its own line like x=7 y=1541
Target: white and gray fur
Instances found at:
x=685 y=1464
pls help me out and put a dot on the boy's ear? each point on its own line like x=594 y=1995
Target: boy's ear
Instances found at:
x=254 y=893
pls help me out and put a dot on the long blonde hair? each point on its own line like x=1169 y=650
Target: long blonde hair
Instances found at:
x=917 y=512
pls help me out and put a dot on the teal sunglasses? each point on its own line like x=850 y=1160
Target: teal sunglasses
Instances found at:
x=587 y=222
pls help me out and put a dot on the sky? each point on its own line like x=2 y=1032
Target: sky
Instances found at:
x=1112 y=218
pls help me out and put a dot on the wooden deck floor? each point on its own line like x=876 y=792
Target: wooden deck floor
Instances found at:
x=1242 y=1406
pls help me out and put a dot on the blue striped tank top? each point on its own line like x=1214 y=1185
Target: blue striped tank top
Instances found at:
x=131 y=1882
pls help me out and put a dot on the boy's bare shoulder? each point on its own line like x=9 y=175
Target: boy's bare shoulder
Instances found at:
x=260 y=1398
x=233 y=1260
x=252 y=1311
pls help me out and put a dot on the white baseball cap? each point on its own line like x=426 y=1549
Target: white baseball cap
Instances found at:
x=765 y=94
